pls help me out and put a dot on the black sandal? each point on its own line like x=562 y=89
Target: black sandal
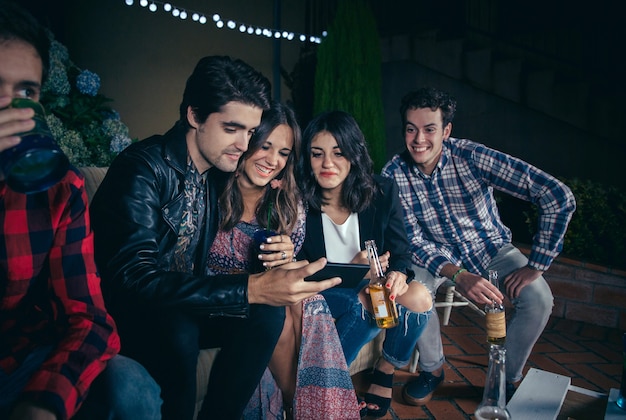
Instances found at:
x=384 y=380
x=362 y=406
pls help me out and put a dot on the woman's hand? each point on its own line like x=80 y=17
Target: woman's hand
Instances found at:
x=396 y=283
x=278 y=250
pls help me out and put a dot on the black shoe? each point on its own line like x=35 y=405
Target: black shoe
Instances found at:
x=420 y=391
x=510 y=390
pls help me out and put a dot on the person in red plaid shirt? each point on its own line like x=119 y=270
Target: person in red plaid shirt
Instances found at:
x=57 y=341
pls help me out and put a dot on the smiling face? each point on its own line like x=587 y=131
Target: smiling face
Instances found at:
x=223 y=137
x=329 y=165
x=271 y=158
x=424 y=135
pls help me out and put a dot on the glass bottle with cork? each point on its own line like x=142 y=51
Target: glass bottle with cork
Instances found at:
x=385 y=310
x=495 y=318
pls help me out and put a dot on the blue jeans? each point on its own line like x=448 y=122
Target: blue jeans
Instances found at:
x=532 y=311
x=357 y=327
x=124 y=390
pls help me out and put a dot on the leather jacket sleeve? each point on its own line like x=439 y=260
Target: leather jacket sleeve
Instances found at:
x=134 y=242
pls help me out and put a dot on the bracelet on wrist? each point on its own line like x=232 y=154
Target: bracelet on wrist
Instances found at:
x=454 y=276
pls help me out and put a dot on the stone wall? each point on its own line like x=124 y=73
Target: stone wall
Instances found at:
x=587 y=292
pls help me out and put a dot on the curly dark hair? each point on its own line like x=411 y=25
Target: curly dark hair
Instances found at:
x=359 y=186
x=429 y=97
x=284 y=199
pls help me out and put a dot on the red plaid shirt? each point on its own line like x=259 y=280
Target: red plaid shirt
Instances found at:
x=50 y=293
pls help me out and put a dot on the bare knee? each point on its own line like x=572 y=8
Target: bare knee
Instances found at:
x=417 y=298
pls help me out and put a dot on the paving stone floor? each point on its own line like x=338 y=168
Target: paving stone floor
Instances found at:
x=590 y=355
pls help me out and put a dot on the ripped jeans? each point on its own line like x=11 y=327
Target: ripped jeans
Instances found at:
x=357 y=327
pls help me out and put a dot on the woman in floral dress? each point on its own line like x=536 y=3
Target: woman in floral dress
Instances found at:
x=307 y=377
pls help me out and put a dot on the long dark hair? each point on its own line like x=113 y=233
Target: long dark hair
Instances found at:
x=359 y=186
x=285 y=199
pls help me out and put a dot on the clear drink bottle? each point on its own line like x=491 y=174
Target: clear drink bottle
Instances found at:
x=495 y=318
x=493 y=405
x=385 y=310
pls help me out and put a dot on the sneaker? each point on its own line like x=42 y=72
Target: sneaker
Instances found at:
x=420 y=391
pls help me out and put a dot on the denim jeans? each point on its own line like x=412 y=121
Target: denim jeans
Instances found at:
x=123 y=391
x=357 y=327
x=532 y=311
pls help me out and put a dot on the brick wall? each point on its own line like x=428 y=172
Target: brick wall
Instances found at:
x=587 y=292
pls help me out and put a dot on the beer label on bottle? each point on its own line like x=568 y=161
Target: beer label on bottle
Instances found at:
x=378 y=300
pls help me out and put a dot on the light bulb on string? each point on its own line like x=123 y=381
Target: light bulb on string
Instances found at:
x=181 y=13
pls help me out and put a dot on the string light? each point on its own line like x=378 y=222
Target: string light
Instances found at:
x=244 y=28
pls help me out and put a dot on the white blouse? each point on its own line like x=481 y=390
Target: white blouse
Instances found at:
x=342 y=241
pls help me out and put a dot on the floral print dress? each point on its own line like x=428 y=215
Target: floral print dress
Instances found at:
x=324 y=388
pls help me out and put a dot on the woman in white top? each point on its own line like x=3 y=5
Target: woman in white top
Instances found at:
x=347 y=205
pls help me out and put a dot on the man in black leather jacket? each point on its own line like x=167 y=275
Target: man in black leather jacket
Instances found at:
x=155 y=216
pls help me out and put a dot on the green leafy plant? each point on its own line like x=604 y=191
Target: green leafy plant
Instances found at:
x=348 y=74
x=597 y=231
x=86 y=128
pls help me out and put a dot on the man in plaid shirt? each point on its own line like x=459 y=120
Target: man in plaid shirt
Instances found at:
x=56 y=336
x=446 y=188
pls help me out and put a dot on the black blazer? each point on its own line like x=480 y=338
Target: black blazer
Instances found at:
x=382 y=221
